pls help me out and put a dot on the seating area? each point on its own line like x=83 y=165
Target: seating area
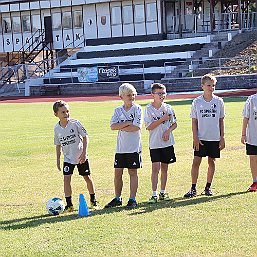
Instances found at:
x=135 y=61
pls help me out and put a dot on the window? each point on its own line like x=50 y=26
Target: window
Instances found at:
x=116 y=15
x=36 y=24
x=7 y=24
x=25 y=21
x=16 y=24
x=139 y=13
x=127 y=14
x=77 y=19
x=66 y=20
x=56 y=21
x=151 y=14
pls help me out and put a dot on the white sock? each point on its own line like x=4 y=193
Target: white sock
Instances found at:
x=155 y=193
x=162 y=192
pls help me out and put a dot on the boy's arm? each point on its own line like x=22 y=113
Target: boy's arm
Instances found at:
x=83 y=156
x=222 y=139
x=58 y=157
x=121 y=125
x=131 y=128
x=244 y=126
x=156 y=123
x=166 y=134
x=196 y=141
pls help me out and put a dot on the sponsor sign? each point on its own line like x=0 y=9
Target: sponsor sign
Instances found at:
x=88 y=74
x=108 y=73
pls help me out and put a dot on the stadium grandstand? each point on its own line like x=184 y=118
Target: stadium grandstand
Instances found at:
x=46 y=46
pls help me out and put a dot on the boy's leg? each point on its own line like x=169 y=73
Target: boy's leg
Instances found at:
x=90 y=184
x=118 y=182
x=133 y=182
x=253 y=166
x=67 y=185
x=155 y=171
x=211 y=169
x=195 y=169
x=164 y=175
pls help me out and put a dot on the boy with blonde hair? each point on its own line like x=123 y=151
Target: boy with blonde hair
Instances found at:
x=160 y=121
x=127 y=119
x=207 y=115
x=71 y=137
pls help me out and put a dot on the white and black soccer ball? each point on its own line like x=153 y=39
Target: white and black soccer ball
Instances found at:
x=55 y=206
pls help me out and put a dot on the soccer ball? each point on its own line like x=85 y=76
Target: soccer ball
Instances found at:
x=55 y=206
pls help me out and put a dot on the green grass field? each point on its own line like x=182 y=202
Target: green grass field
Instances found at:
x=222 y=225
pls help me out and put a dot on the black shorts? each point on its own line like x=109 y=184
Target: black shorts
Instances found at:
x=128 y=160
x=84 y=169
x=163 y=155
x=251 y=149
x=209 y=148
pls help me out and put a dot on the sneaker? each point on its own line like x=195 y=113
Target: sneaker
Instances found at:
x=253 y=187
x=94 y=205
x=131 y=204
x=208 y=192
x=68 y=209
x=153 y=200
x=190 y=193
x=164 y=197
x=113 y=203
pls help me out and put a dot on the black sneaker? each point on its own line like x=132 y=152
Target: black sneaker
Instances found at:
x=190 y=193
x=113 y=203
x=208 y=192
x=131 y=204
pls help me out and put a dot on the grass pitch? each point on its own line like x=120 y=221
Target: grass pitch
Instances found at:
x=222 y=225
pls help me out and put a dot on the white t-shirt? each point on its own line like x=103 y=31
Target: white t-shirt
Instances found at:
x=208 y=115
x=128 y=142
x=155 y=135
x=250 y=112
x=70 y=138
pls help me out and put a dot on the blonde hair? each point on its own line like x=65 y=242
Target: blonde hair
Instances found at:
x=126 y=88
x=208 y=77
x=58 y=104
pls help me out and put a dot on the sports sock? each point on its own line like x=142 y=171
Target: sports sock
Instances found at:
x=154 y=193
x=118 y=198
x=162 y=192
x=193 y=187
x=92 y=198
x=68 y=201
x=208 y=185
x=132 y=198
x=255 y=180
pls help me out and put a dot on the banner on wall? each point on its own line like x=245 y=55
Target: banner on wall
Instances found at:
x=108 y=73
x=87 y=74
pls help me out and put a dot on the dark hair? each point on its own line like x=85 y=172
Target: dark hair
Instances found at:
x=155 y=86
x=58 y=104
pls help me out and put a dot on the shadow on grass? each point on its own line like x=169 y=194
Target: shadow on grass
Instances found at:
x=181 y=201
x=29 y=222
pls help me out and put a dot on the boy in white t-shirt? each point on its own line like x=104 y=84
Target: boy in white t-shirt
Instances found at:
x=71 y=137
x=127 y=119
x=207 y=115
x=160 y=121
x=249 y=136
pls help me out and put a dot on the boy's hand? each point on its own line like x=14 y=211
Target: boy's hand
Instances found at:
x=58 y=165
x=165 y=117
x=196 y=143
x=222 y=143
x=166 y=135
x=243 y=139
x=82 y=158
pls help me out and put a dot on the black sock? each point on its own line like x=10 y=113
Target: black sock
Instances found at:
x=92 y=198
x=193 y=187
x=208 y=185
x=68 y=201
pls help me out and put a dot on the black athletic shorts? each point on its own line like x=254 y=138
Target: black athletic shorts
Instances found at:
x=128 y=160
x=209 y=148
x=251 y=149
x=163 y=155
x=84 y=169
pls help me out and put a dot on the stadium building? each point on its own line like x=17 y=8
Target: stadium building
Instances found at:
x=34 y=31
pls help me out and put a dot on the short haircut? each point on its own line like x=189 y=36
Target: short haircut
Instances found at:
x=58 y=104
x=208 y=77
x=155 y=86
x=126 y=88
